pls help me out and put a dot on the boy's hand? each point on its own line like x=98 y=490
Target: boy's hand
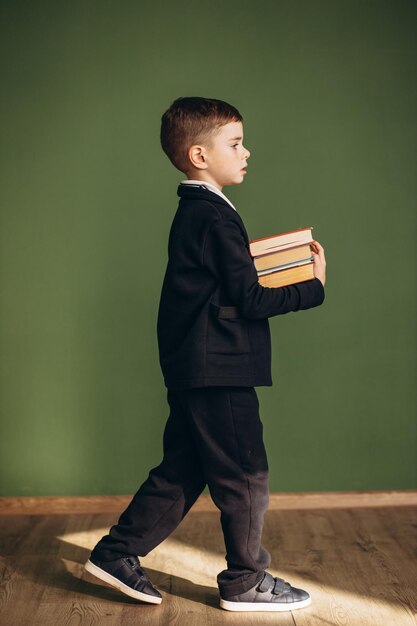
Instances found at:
x=319 y=265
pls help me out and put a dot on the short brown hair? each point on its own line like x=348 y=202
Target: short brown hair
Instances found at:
x=193 y=120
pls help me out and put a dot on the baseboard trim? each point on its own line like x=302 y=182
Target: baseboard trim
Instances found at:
x=68 y=505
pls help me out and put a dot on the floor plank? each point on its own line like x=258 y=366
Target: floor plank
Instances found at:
x=359 y=564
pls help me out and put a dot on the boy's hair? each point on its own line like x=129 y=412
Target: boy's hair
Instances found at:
x=190 y=121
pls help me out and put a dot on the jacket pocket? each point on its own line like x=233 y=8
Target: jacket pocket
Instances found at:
x=227 y=333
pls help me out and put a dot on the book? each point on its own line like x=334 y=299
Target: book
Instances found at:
x=282 y=278
x=285 y=266
x=283 y=259
x=266 y=245
x=275 y=259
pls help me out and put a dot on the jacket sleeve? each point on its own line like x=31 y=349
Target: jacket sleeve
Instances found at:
x=225 y=254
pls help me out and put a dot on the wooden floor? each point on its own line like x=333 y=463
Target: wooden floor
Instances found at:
x=355 y=554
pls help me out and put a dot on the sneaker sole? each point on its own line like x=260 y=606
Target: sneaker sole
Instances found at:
x=263 y=606
x=115 y=582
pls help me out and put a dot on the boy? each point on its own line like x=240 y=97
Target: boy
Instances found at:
x=214 y=348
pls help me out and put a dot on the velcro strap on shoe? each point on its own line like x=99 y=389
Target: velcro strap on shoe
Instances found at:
x=267 y=582
x=280 y=586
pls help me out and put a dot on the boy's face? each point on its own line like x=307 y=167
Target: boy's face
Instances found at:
x=221 y=162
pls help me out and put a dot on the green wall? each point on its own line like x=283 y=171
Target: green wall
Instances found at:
x=328 y=91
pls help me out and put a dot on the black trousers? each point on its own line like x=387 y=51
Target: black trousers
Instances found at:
x=213 y=436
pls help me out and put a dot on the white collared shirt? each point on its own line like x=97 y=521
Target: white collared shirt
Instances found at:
x=209 y=186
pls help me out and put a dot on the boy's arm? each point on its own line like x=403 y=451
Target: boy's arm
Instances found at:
x=226 y=255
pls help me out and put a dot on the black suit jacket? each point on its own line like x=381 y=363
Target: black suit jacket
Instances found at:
x=213 y=314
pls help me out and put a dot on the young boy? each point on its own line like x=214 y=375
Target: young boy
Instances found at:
x=214 y=348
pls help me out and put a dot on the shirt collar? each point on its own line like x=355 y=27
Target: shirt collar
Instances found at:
x=209 y=186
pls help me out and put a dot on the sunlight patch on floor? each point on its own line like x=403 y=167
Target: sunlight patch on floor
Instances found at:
x=200 y=566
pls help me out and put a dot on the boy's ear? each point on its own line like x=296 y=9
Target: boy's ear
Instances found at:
x=197 y=157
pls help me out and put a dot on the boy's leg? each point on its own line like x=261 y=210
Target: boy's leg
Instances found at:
x=229 y=437
x=164 y=498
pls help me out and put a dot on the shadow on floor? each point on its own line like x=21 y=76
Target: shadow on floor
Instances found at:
x=334 y=549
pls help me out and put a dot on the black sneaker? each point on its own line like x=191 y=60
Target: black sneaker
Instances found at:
x=126 y=575
x=271 y=594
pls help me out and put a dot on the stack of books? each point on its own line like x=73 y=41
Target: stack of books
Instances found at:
x=283 y=259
